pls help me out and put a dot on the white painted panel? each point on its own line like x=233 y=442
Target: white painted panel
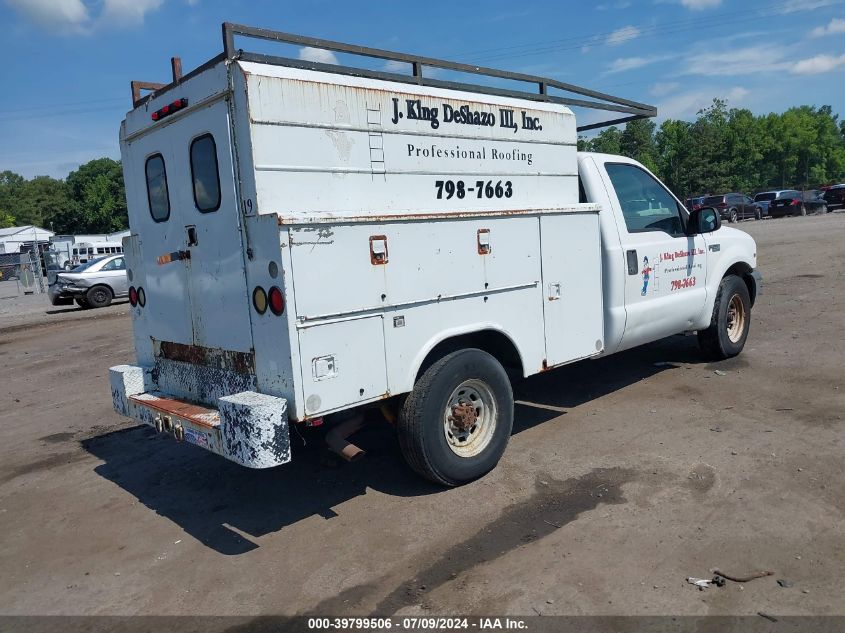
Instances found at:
x=344 y=146
x=342 y=363
x=427 y=261
x=572 y=286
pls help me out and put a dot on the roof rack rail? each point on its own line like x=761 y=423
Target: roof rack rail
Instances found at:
x=631 y=110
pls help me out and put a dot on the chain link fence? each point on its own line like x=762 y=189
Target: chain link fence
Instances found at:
x=21 y=274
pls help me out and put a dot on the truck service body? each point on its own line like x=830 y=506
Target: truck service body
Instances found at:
x=308 y=241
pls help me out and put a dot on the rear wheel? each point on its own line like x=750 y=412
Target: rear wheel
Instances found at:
x=99 y=296
x=730 y=322
x=733 y=216
x=456 y=423
x=803 y=210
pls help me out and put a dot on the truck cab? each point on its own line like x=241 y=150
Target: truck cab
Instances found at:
x=661 y=276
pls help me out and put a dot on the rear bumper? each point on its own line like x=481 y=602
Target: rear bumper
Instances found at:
x=248 y=428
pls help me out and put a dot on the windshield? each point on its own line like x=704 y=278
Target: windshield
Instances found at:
x=83 y=267
x=762 y=197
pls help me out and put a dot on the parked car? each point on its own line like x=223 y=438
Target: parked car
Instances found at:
x=794 y=202
x=733 y=206
x=834 y=197
x=694 y=204
x=764 y=198
x=91 y=285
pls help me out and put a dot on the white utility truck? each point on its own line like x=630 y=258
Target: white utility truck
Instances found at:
x=312 y=239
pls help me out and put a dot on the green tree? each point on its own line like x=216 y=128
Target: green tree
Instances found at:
x=98 y=199
x=11 y=189
x=608 y=141
x=637 y=142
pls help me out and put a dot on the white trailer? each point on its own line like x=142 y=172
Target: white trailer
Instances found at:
x=311 y=239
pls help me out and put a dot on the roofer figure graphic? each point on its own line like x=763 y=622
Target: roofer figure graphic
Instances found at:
x=646 y=275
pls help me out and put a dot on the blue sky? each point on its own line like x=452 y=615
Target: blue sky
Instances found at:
x=65 y=80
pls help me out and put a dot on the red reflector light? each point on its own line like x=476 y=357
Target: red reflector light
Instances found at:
x=277 y=301
x=133 y=296
x=170 y=108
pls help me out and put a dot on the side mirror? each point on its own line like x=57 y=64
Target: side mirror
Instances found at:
x=704 y=220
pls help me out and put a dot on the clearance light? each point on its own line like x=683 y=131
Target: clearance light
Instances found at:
x=259 y=300
x=277 y=301
x=133 y=296
x=169 y=109
x=142 y=297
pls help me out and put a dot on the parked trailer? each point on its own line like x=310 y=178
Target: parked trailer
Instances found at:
x=312 y=239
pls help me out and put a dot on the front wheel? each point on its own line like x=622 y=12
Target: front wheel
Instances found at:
x=730 y=322
x=758 y=214
x=456 y=423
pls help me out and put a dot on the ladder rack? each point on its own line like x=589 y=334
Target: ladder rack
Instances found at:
x=538 y=90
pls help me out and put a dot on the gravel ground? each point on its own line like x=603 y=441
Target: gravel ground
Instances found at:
x=624 y=476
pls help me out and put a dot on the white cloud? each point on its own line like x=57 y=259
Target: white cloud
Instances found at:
x=818 y=64
x=661 y=89
x=737 y=61
x=685 y=105
x=393 y=66
x=319 y=55
x=836 y=25
x=74 y=16
x=127 y=12
x=54 y=15
x=630 y=63
x=625 y=34
x=698 y=5
x=794 y=6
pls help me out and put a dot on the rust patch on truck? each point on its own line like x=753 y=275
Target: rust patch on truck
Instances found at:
x=238 y=362
x=195 y=413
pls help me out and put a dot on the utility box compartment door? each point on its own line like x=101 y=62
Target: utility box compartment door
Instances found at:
x=342 y=363
x=572 y=286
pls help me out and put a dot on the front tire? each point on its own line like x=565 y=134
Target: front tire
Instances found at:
x=99 y=297
x=456 y=423
x=733 y=216
x=730 y=322
x=758 y=214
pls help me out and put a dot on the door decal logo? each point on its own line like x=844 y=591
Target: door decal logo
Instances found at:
x=646 y=275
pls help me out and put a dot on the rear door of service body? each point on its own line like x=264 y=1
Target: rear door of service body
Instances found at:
x=664 y=268
x=192 y=250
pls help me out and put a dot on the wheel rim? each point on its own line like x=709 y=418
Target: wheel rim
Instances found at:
x=736 y=319
x=100 y=296
x=469 y=419
x=733 y=216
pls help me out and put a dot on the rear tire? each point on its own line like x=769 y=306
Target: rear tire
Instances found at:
x=733 y=216
x=803 y=210
x=99 y=296
x=730 y=322
x=454 y=426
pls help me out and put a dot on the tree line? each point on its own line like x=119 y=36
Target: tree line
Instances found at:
x=722 y=150
x=92 y=199
x=732 y=150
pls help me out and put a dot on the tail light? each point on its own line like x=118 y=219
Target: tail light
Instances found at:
x=277 y=301
x=259 y=300
x=722 y=205
x=795 y=202
x=133 y=296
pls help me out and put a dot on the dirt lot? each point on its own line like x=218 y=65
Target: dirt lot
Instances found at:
x=623 y=477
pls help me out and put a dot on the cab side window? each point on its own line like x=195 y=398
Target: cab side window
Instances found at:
x=157 y=193
x=204 y=173
x=646 y=204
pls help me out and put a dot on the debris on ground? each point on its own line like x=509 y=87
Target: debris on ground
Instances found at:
x=746 y=578
x=719 y=372
x=770 y=618
x=786 y=584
